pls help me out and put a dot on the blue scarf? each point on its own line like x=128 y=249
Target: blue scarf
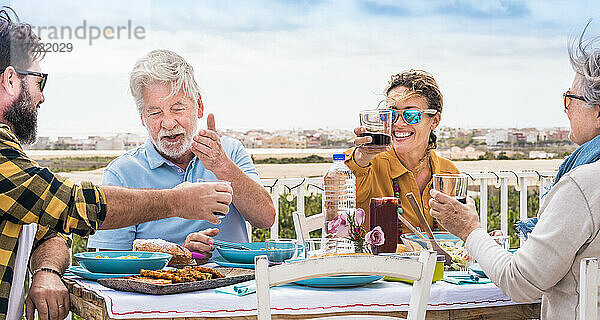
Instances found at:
x=586 y=153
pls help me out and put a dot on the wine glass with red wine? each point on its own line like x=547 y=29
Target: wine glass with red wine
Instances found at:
x=378 y=123
x=454 y=185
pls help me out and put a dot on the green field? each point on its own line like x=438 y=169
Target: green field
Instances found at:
x=69 y=164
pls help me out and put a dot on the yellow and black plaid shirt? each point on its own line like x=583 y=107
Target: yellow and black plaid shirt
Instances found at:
x=32 y=194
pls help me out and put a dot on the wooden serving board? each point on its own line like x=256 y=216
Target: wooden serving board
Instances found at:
x=232 y=276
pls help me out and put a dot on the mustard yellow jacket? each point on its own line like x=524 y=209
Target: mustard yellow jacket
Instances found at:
x=375 y=181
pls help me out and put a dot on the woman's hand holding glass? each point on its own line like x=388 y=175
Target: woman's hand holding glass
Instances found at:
x=365 y=153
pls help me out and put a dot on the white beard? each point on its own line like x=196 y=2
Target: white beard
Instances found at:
x=177 y=149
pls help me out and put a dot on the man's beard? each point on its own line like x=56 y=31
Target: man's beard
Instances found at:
x=177 y=149
x=22 y=116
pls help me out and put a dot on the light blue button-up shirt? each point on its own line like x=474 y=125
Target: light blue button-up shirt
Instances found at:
x=144 y=167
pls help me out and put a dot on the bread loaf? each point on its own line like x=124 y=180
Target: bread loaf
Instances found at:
x=180 y=254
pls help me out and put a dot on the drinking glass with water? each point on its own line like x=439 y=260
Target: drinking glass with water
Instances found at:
x=454 y=185
x=219 y=215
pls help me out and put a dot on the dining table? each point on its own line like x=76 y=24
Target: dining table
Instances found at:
x=92 y=301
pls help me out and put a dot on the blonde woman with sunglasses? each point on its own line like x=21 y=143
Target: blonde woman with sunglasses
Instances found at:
x=408 y=164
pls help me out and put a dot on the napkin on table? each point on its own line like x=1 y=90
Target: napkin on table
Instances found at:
x=458 y=280
x=239 y=289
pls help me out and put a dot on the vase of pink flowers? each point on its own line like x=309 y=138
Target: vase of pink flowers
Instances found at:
x=350 y=227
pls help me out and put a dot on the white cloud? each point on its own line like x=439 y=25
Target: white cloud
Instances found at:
x=262 y=65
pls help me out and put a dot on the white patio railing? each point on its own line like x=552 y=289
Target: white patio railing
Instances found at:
x=522 y=180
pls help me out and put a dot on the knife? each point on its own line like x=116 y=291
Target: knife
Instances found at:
x=413 y=203
x=198 y=255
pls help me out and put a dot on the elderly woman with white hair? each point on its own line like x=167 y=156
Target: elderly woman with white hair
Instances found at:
x=547 y=264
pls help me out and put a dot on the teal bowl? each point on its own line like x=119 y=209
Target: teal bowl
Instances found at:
x=256 y=249
x=243 y=256
x=280 y=252
x=113 y=261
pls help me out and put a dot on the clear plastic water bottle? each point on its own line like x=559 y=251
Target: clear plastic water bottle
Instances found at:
x=339 y=196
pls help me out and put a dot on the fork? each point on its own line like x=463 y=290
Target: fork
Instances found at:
x=465 y=273
x=434 y=245
x=230 y=245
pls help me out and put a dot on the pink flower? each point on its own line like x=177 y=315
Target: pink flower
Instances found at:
x=375 y=237
x=359 y=216
x=339 y=226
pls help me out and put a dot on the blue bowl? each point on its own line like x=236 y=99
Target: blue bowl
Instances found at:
x=279 y=252
x=243 y=256
x=256 y=249
x=414 y=243
x=113 y=261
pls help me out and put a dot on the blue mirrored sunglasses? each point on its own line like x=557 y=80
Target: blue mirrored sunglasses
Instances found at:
x=410 y=116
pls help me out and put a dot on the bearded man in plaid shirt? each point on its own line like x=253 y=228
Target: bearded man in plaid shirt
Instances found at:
x=37 y=207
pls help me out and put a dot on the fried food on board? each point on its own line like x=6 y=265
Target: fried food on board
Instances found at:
x=187 y=274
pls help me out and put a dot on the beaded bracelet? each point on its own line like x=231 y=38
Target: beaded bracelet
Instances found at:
x=45 y=269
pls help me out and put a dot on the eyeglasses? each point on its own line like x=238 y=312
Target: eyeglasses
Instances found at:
x=411 y=116
x=567 y=96
x=44 y=76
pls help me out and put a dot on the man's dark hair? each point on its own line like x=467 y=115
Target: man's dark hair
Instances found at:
x=18 y=43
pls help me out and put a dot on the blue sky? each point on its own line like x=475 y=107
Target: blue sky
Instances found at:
x=311 y=64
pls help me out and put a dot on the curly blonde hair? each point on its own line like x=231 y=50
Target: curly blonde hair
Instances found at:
x=419 y=83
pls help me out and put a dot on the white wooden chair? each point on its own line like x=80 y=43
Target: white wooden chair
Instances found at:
x=304 y=225
x=420 y=271
x=588 y=289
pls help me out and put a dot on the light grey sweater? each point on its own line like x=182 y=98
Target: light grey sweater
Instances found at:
x=547 y=264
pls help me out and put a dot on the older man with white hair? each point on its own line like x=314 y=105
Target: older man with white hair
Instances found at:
x=169 y=103
x=547 y=264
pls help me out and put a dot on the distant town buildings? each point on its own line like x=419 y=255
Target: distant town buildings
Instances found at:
x=511 y=143
x=537 y=154
x=293 y=139
x=493 y=138
x=453 y=143
x=501 y=137
x=460 y=153
x=123 y=141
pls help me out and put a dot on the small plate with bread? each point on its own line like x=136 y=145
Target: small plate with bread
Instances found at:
x=181 y=255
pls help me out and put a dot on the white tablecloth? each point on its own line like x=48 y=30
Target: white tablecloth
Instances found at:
x=294 y=299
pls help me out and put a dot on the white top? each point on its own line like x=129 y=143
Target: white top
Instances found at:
x=547 y=264
x=16 y=299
